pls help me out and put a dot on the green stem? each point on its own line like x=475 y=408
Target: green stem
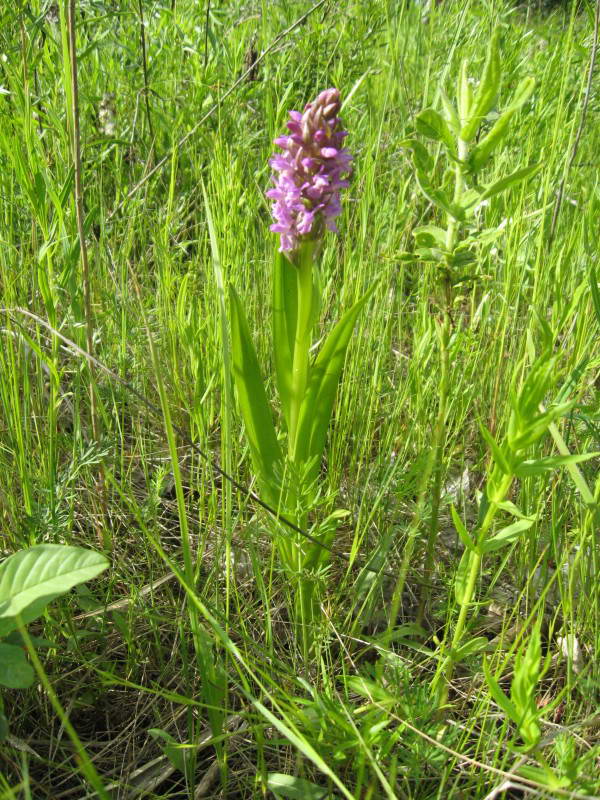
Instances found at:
x=304 y=588
x=439 y=440
x=409 y=547
x=302 y=341
x=433 y=462
x=445 y=670
x=306 y=613
x=439 y=431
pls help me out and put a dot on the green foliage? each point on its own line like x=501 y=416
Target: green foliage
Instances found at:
x=130 y=658
x=317 y=404
x=454 y=130
x=15 y=670
x=29 y=580
x=180 y=757
x=487 y=91
x=483 y=150
x=288 y=786
x=266 y=453
x=284 y=311
x=523 y=711
x=307 y=394
x=32 y=578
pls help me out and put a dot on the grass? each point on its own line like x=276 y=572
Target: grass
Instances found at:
x=207 y=655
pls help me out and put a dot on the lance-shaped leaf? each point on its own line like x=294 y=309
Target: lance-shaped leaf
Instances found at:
x=595 y=293
x=537 y=467
x=465 y=537
x=510 y=180
x=528 y=671
x=506 y=536
x=461 y=579
x=464 y=94
x=264 y=447
x=450 y=114
x=430 y=235
x=285 y=312
x=316 y=409
x=420 y=155
x=498 y=454
x=482 y=151
x=470 y=648
x=432 y=125
x=511 y=508
x=487 y=90
x=294 y=788
x=438 y=197
x=503 y=701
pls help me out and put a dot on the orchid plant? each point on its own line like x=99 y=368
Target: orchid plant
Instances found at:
x=309 y=175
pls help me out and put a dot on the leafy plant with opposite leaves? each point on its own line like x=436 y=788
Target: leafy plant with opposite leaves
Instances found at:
x=454 y=249
x=528 y=423
x=521 y=708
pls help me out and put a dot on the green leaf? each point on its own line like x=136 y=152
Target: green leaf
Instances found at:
x=303 y=745
x=595 y=293
x=511 y=508
x=33 y=611
x=438 y=197
x=15 y=671
x=464 y=94
x=177 y=755
x=470 y=648
x=252 y=399
x=510 y=180
x=3 y=728
x=487 y=91
x=450 y=114
x=503 y=701
x=529 y=432
x=459 y=258
x=461 y=530
x=431 y=124
x=32 y=578
x=420 y=156
x=324 y=532
x=482 y=151
x=462 y=575
x=430 y=254
x=528 y=468
x=316 y=409
x=528 y=671
x=295 y=788
x=497 y=454
x=506 y=536
x=544 y=775
x=285 y=311
x=430 y=235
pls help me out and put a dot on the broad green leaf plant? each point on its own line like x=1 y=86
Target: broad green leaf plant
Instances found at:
x=466 y=139
x=29 y=580
x=287 y=458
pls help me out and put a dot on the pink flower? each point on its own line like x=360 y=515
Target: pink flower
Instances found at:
x=311 y=171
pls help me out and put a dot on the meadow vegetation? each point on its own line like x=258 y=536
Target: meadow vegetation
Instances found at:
x=410 y=609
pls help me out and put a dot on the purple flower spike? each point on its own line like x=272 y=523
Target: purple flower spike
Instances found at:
x=312 y=170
